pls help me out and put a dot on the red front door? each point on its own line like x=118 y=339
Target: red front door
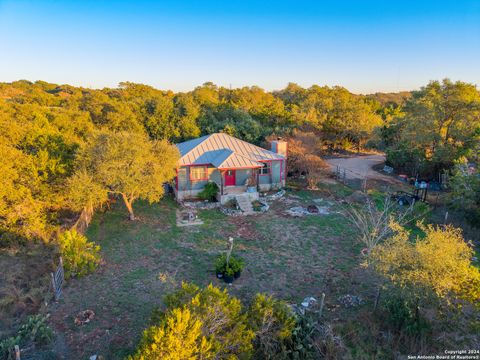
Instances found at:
x=230 y=178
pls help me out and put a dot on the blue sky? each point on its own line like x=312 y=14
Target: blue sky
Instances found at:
x=366 y=46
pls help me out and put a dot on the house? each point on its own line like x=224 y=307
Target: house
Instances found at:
x=236 y=166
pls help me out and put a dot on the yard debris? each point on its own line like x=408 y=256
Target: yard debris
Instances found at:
x=204 y=205
x=260 y=206
x=188 y=217
x=321 y=201
x=350 y=300
x=231 y=212
x=84 y=317
x=299 y=211
x=309 y=302
x=275 y=196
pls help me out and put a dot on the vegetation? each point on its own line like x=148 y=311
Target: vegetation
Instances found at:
x=438 y=265
x=209 y=192
x=209 y=323
x=35 y=331
x=274 y=323
x=79 y=256
x=199 y=323
x=465 y=194
x=69 y=152
x=438 y=125
x=231 y=266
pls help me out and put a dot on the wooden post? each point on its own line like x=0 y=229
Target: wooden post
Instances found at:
x=17 y=352
x=377 y=298
x=222 y=173
x=229 y=253
x=322 y=302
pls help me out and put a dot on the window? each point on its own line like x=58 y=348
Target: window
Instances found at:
x=265 y=170
x=198 y=173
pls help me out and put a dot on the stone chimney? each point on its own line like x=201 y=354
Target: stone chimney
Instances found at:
x=279 y=146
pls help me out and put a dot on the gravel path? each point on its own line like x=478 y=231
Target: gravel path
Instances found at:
x=359 y=167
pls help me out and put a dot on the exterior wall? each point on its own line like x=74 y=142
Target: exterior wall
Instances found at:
x=241 y=176
x=190 y=189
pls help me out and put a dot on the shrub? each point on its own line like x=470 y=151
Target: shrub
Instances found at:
x=177 y=336
x=198 y=323
x=209 y=192
x=405 y=317
x=273 y=322
x=79 y=255
x=235 y=265
x=35 y=331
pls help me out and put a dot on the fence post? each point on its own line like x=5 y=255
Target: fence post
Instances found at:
x=17 y=352
x=377 y=298
x=322 y=302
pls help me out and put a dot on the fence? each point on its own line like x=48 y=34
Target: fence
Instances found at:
x=58 y=278
x=351 y=178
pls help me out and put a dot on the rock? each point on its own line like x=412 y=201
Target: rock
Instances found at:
x=297 y=211
x=275 y=196
x=309 y=302
x=350 y=300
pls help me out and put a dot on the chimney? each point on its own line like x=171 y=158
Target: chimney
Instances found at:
x=279 y=146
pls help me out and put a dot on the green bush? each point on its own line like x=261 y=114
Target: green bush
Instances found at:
x=209 y=192
x=273 y=322
x=198 y=323
x=404 y=317
x=80 y=256
x=235 y=265
x=35 y=331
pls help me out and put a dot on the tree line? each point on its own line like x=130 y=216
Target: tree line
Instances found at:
x=63 y=148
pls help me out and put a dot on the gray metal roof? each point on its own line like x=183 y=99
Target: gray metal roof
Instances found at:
x=223 y=151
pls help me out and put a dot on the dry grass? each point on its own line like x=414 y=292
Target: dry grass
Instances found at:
x=24 y=282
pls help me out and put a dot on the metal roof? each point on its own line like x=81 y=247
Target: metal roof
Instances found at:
x=223 y=151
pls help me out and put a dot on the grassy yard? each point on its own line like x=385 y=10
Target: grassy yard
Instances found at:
x=287 y=257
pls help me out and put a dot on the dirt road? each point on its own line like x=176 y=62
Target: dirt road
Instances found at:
x=359 y=167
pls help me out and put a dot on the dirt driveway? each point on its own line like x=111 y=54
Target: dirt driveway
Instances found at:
x=359 y=167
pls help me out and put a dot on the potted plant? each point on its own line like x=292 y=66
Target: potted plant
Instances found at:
x=228 y=271
x=228 y=275
x=227 y=266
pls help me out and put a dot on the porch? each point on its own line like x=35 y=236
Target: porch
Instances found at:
x=231 y=192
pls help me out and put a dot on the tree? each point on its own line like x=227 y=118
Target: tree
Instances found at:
x=440 y=125
x=304 y=156
x=465 y=194
x=21 y=212
x=435 y=266
x=125 y=164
